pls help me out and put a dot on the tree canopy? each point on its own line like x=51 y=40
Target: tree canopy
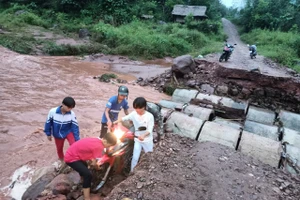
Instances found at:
x=119 y=11
x=283 y=15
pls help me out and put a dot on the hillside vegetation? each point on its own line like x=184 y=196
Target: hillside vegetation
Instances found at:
x=117 y=27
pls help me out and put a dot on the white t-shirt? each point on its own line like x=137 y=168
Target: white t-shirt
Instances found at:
x=146 y=120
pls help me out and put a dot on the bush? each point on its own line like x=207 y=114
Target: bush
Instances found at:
x=20 y=44
x=32 y=19
x=53 y=49
x=106 y=77
x=169 y=89
x=205 y=26
x=149 y=40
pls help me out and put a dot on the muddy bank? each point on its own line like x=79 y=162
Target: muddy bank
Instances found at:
x=186 y=169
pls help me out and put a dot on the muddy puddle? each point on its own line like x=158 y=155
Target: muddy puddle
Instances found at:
x=123 y=65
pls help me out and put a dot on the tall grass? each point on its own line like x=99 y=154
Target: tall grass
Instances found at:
x=150 y=40
x=20 y=44
x=10 y=19
x=282 y=47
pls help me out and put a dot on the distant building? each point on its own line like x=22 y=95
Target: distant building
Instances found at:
x=181 y=11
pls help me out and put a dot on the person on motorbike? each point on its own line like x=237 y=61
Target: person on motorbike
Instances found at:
x=87 y=149
x=114 y=105
x=143 y=138
x=253 y=49
x=227 y=51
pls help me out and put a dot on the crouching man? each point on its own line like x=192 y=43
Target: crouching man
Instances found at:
x=84 y=150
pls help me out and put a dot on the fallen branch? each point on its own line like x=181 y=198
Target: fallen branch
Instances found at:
x=175 y=79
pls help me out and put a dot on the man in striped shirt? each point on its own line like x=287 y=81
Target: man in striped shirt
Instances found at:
x=62 y=124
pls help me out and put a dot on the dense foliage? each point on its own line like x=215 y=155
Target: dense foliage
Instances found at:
x=116 y=27
x=282 y=15
x=118 y=12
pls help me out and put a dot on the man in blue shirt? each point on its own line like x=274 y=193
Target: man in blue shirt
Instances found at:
x=114 y=105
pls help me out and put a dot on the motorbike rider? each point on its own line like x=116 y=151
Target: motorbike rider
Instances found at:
x=114 y=105
x=253 y=49
x=227 y=51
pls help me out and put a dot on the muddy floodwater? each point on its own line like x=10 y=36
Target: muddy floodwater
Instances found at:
x=31 y=86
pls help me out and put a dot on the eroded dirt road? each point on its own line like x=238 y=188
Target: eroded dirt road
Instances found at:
x=240 y=57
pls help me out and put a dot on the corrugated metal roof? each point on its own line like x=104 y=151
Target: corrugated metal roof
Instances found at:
x=185 y=10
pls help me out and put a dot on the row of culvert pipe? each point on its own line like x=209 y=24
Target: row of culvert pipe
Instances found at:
x=273 y=138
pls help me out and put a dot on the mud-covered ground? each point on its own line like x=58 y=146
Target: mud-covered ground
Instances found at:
x=185 y=169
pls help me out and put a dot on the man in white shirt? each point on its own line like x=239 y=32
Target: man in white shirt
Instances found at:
x=144 y=138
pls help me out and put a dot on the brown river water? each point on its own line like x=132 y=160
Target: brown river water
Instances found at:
x=31 y=86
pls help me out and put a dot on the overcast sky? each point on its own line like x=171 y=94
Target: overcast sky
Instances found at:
x=227 y=3
x=233 y=3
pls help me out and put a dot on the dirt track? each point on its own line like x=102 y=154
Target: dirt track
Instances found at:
x=240 y=57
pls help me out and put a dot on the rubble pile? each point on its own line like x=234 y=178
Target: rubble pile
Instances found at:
x=209 y=77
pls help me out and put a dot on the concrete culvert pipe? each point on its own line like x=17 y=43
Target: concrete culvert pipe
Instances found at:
x=165 y=112
x=227 y=102
x=184 y=125
x=199 y=112
x=184 y=95
x=219 y=133
x=264 y=149
x=293 y=157
x=228 y=122
x=261 y=115
x=290 y=120
x=268 y=131
x=224 y=101
x=170 y=104
x=291 y=137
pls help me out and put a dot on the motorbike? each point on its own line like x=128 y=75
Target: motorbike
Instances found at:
x=123 y=148
x=227 y=51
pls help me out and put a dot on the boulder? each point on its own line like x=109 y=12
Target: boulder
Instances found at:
x=38 y=187
x=62 y=184
x=41 y=172
x=83 y=33
x=184 y=64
